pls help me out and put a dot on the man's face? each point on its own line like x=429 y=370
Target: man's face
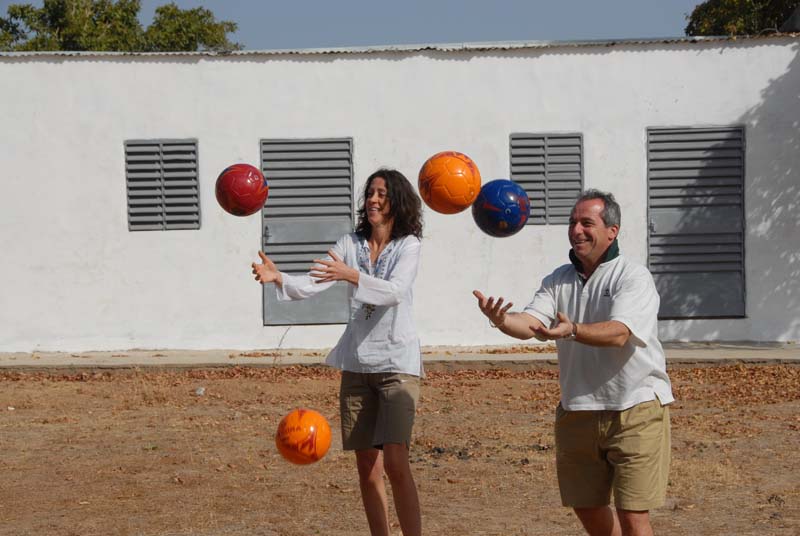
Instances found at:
x=588 y=235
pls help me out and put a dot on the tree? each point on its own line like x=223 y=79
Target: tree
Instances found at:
x=107 y=25
x=739 y=17
x=177 y=29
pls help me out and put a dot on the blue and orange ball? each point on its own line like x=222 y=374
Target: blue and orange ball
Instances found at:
x=502 y=208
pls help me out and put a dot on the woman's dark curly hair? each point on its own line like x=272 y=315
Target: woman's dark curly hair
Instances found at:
x=405 y=206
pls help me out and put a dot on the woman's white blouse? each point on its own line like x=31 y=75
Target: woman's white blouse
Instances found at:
x=380 y=335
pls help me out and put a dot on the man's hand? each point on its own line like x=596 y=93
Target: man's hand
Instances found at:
x=493 y=310
x=519 y=325
x=325 y=270
x=562 y=330
x=266 y=272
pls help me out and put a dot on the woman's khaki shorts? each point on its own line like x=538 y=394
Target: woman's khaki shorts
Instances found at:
x=626 y=452
x=377 y=408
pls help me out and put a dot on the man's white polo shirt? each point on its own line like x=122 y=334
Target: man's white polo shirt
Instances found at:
x=605 y=378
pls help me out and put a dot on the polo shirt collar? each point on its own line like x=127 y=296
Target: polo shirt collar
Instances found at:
x=611 y=253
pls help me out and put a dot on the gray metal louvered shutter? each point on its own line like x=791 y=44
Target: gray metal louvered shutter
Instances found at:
x=695 y=184
x=310 y=206
x=162 y=185
x=550 y=169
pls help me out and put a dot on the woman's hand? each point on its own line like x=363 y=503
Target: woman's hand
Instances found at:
x=325 y=270
x=266 y=272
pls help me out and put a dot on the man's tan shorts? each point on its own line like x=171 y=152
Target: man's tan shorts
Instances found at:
x=377 y=408
x=626 y=452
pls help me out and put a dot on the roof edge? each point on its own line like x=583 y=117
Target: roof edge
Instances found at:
x=443 y=47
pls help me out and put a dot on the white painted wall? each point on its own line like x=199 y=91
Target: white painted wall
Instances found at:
x=74 y=278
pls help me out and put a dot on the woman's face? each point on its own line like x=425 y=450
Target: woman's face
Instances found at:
x=377 y=203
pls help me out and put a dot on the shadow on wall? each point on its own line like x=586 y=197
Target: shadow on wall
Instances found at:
x=696 y=212
x=772 y=193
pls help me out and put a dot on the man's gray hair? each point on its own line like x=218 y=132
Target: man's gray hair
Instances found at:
x=611 y=213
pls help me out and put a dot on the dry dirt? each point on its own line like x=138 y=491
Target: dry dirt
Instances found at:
x=127 y=452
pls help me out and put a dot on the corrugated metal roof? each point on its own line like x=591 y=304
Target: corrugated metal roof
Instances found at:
x=446 y=47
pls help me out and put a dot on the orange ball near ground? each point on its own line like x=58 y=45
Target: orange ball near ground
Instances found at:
x=303 y=436
x=449 y=182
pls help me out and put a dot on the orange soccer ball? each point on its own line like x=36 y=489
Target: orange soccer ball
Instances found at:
x=303 y=436
x=449 y=182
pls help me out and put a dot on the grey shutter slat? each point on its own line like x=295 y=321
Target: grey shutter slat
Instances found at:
x=310 y=206
x=697 y=182
x=696 y=211
x=716 y=144
x=305 y=193
x=277 y=146
x=299 y=183
x=550 y=169
x=697 y=173
x=697 y=240
x=700 y=135
x=308 y=173
x=277 y=156
x=298 y=165
x=152 y=166
x=299 y=211
x=306 y=202
x=162 y=184
x=691 y=153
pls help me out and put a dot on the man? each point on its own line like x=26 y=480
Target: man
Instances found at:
x=612 y=424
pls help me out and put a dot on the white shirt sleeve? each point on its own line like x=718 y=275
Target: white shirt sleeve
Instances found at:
x=300 y=287
x=543 y=305
x=635 y=304
x=391 y=291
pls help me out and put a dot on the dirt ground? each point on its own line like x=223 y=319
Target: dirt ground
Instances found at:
x=126 y=452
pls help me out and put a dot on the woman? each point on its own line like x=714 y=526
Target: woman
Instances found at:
x=379 y=352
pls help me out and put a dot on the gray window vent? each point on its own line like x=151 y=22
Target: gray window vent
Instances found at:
x=162 y=185
x=550 y=169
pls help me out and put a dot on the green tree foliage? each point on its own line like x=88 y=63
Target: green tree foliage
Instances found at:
x=739 y=17
x=107 y=25
x=185 y=30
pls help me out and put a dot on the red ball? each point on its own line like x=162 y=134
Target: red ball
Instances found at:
x=241 y=189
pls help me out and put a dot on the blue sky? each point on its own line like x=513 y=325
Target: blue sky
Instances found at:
x=270 y=24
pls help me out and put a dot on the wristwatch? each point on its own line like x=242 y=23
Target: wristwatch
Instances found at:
x=574 y=332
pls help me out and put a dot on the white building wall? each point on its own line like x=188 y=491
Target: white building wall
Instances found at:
x=74 y=278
